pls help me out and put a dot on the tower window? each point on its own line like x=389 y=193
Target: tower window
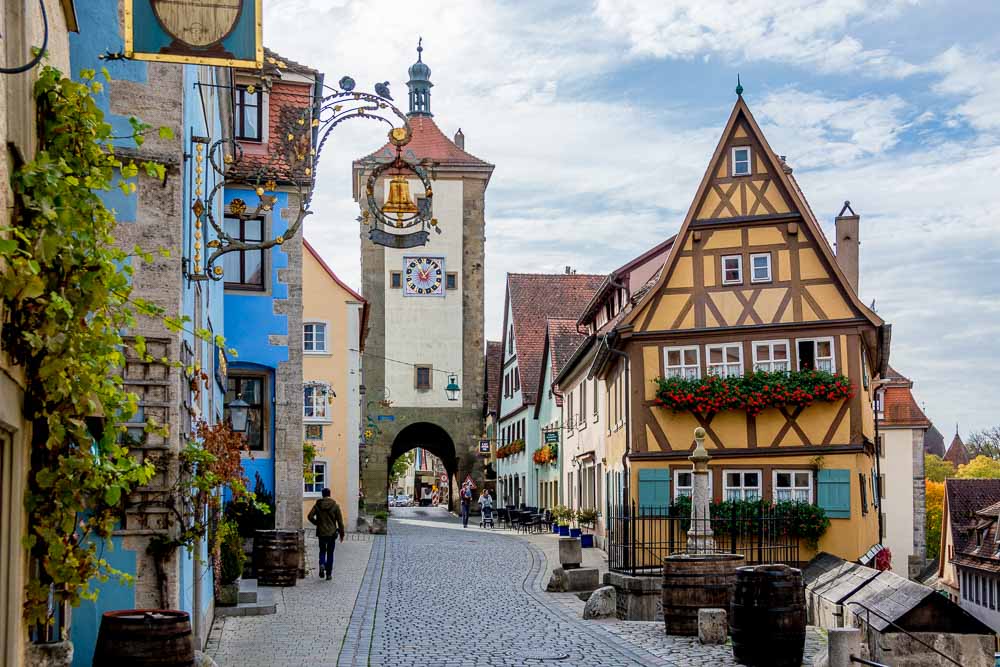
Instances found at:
x=451 y=280
x=396 y=279
x=422 y=377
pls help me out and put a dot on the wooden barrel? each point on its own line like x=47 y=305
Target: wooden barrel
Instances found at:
x=768 y=616
x=696 y=581
x=276 y=557
x=145 y=638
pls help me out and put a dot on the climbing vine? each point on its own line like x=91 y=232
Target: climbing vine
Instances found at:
x=65 y=299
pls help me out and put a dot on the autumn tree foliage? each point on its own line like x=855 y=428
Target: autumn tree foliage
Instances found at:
x=934 y=506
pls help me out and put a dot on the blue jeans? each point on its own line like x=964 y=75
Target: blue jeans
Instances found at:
x=326 y=547
x=465 y=515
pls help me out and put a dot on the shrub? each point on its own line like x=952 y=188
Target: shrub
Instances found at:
x=231 y=556
x=249 y=518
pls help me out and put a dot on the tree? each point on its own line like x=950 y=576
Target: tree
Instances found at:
x=937 y=469
x=985 y=442
x=980 y=467
x=934 y=506
x=399 y=467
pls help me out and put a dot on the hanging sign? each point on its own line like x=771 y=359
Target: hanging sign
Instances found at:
x=552 y=437
x=195 y=32
x=411 y=240
x=484 y=446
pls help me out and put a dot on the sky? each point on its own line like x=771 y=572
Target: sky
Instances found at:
x=601 y=117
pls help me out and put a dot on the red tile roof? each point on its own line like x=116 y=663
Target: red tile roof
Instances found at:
x=965 y=500
x=494 y=369
x=533 y=299
x=957 y=453
x=429 y=144
x=901 y=409
x=564 y=339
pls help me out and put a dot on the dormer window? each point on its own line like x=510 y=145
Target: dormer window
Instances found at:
x=741 y=161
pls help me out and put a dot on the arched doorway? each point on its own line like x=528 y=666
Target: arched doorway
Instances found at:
x=432 y=438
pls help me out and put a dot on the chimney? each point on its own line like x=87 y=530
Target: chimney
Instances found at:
x=847 y=243
x=460 y=139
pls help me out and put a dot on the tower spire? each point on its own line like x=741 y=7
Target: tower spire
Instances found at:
x=739 y=86
x=420 y=84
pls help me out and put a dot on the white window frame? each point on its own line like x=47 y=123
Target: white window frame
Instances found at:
x=325 y=483
x=770 y=362
x=795 y=487
x=739 y=268
x=325 y=418
x=753 y=268
x=683 y=367
x=326 y=337
x=676 y=486
x=822 y=339
x=742 y=489
x=582 y=417
x=723 y=369
x=749 y=161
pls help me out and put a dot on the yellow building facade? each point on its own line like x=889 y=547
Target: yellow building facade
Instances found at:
x=751 y=284
x=334 y=320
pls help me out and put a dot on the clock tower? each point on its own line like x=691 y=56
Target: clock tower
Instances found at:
x=426 y=318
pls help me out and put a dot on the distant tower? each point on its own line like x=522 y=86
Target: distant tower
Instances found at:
x=420 y=85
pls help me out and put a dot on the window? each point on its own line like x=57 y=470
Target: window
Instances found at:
x=451 y=280
x=570 y=419
x=314 y=337
x=793 y=485
x=318 y=483
x=244 y=269
x=506 y=385
x=682 y=362
x=395 y=279
x=597 y=387
x=725 y=360
x=422 y=377
x=864 y=493
x=760 y=267
x=741 y=161
x=583 y=405
x=732 y=270
x=251 y=389
x=741 y=484
x=770 y=355
x=815 y=354
x=517 y=379
x=249 y=114
x=510 y=339
x=316 y=401
x=684 y=483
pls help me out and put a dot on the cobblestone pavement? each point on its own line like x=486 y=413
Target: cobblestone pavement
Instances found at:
x=308 y=628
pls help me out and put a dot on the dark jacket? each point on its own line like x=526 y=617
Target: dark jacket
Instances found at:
x=326 y=515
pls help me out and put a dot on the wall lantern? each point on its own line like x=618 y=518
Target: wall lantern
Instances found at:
x=452 y=389
x=239 y=410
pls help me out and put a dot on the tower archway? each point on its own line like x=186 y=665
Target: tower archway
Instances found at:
x=433 y=439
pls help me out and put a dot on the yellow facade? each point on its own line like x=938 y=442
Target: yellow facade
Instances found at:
x=751 y=270
x=328 y=302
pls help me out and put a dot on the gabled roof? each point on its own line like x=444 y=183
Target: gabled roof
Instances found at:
x=494 y=370
x=429 y=144
x=934 y=442
x=963 y=498
x=562 y=339
x=533 y=298
x=740 y=110
x=621 y=274
x=899 y=407
x=287 y=64
x=957 y=453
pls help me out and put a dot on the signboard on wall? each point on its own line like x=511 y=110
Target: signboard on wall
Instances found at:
x=552 y=437
x=484 y=446
x=195 y=32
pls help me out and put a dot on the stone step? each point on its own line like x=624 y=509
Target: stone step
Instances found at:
x=248 y=590
x=262 y=606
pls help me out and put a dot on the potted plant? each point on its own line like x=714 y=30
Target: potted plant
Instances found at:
x=563 y=516
x=587 y=518
x=231 y=562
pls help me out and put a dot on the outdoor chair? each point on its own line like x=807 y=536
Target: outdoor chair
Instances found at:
x=503 y=517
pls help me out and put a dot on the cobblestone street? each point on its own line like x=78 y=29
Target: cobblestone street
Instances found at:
x=433 y=593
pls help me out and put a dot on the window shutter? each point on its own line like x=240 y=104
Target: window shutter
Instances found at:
x=654 y=490
x=834 y=493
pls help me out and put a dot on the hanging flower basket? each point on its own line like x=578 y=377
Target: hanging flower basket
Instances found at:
x=751 y=393
x=514 y=447
x=546 y=454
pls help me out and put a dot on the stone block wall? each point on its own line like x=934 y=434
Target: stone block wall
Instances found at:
x=918 y=560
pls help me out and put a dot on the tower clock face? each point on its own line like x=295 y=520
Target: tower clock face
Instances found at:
x=423 y=276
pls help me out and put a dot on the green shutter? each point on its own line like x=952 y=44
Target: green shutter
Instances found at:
x=654 y=490
x=834 y=493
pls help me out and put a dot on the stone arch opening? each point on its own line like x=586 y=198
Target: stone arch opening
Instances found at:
x=434 y=439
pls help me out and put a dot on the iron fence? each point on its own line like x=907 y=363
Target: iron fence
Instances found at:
x=640 y=537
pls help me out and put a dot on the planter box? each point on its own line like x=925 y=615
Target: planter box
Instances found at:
x=563 y=531
x=587 y=541
x=229 y=594
x=555 y=528
x=575 y=532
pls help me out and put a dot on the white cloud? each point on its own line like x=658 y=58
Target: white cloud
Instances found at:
x=975 y=80
x=815 y=33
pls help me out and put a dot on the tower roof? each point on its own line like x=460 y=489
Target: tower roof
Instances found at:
x=957 y=453
x=429 y=145
x=420 y=85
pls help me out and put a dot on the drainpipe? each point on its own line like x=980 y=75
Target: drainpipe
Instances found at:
x=876 y=389
x=626 y=477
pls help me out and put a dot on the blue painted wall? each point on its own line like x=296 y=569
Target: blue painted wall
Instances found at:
x=98 y=33
x=251 y=320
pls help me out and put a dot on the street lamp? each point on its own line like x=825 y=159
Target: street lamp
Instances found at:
x=239 y=410
x=452 y=389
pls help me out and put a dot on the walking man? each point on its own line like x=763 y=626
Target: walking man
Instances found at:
x=329 y=522
x=466 y=502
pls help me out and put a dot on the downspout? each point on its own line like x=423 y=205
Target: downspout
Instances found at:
x=876 y=390
x=626 y=477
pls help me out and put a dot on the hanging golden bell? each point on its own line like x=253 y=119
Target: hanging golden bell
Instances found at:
x=399 y=202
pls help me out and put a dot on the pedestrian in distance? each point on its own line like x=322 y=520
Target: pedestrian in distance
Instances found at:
x=466 y=502
x=329 y=522
x=485 y=500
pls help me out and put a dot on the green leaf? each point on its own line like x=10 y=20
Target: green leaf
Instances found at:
x=166 y=132
x=112 y=495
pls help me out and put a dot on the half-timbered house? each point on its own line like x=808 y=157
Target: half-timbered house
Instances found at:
x=751 y=289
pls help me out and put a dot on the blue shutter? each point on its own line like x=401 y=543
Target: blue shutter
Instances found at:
x=654 y=490
x=834 y=493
